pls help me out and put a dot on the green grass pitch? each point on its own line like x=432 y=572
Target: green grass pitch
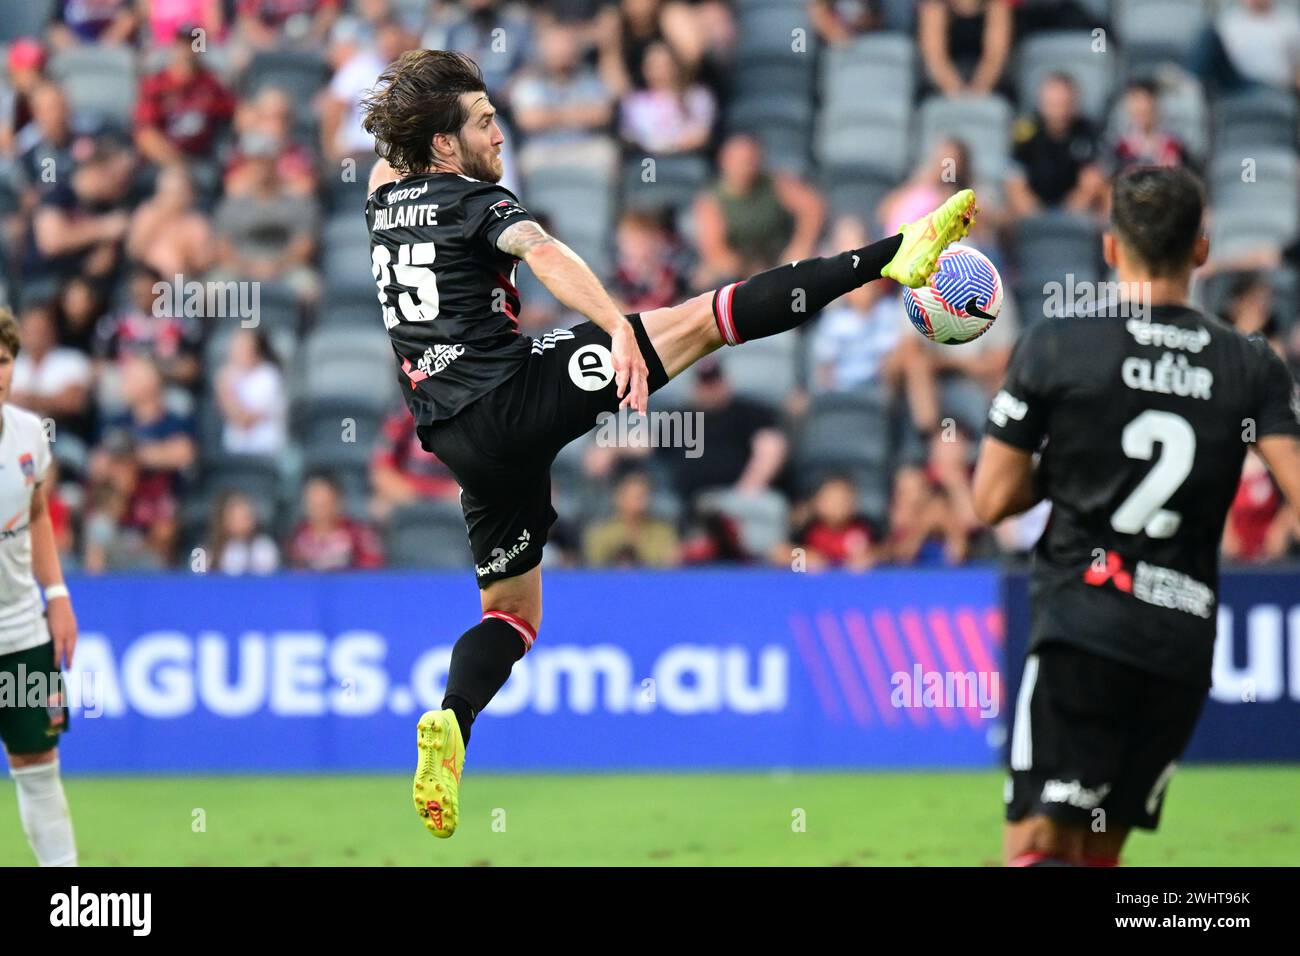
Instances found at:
x=1214 y=816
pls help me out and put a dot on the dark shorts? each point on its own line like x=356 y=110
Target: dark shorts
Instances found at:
x=500 y=447
x=33 y=713
x=1095 y=742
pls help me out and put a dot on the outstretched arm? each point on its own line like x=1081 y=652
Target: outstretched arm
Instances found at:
x=573 y=283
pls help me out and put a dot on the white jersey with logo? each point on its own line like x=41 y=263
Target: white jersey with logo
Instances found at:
x=24 y=461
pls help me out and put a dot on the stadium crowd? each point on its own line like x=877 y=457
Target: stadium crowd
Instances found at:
x=146 y=147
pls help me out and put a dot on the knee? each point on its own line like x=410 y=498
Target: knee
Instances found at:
x=19 y=761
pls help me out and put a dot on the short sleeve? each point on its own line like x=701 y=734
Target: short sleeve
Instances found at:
x=1018 y=414
x=1277 y=402
x=488 y=212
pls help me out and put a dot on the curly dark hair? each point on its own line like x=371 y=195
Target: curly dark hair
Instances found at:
x=417 y=97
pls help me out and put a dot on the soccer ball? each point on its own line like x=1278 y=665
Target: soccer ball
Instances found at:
x=960 y=302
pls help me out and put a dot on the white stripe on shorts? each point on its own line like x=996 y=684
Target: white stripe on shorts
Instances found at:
x=1022 y=744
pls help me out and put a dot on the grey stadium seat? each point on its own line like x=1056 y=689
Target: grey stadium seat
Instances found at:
x=877 y=143
x=763 y=518
x=672 y=182
x=874 y=74
x=25 y=18
x=300 y=73
x=767 y=30
x=982 y=123
x=1253 y=120
x=1158 y=30
x=257 y=476
x=427 y=534
x=1052 y=244
x=1069 y=52
x=848 y=434
x=99 y=80
x=765 y=370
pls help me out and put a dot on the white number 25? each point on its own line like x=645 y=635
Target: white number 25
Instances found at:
x=413 y=271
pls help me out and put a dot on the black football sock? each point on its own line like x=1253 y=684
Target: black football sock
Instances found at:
x=481 y=663
x=784 y=298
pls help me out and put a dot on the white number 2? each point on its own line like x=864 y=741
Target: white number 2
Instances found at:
x=1144 y=509
x=414 y=272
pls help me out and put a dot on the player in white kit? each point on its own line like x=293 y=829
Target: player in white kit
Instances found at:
x=36 y=642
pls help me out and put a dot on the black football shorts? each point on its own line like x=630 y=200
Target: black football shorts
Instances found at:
x=1095 y=741
x=500 y=446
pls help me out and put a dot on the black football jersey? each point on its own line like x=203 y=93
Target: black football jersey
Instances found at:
x=447 y=293
x=1143 y=426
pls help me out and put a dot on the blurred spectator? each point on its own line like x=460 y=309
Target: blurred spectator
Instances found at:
x=267 y=234
x=327 y=539
x=1250 y=43
x=357 y=57
x=563 y=108
x=836 y=535
x=182 y=108
x=965 y=44
x=949 y=390
x=1055 y=155
x=26 y=60
x=752 y=219
x=237 y=543
x=46 y=144
x=672 y=114
x=142 y=327
x=270 y=114
x=168 y=233
x=146 y=453
x=646 y=273
x=1260 y=527
x=203 y=20
x=79 y=308
x=632 y=536
x=922 y=526
x=93 y=21
x=842 y=21
x=945 y=171
x=1143 y=141
x=50 y=380
x=79 y=225
x=854 y=342
x=475 y=28
x=1034 y=16
x=251 y=396
x=60 y=512
x=401 y=471
x=744 y=447
x=263 y=25
x=628 y=27
x=1250 y=304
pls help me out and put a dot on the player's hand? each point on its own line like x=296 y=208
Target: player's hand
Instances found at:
x=63 y=629
x=631 y=377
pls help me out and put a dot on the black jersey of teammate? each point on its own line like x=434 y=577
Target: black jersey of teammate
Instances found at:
x=1143 y=426
x=447 y=293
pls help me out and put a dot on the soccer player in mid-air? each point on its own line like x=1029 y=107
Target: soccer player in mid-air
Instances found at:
x=35 y=642
x=1134 y=424
x=495 y=405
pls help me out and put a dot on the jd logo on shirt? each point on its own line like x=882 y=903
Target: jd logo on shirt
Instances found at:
x=591 y=368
